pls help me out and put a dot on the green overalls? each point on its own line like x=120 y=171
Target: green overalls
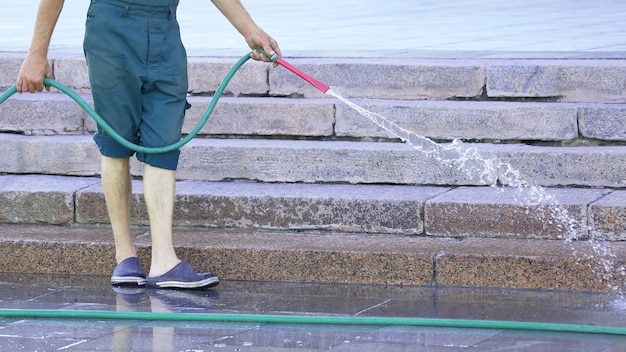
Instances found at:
x=138 y=72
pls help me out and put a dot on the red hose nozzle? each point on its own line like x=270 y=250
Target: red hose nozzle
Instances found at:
x=322 y=87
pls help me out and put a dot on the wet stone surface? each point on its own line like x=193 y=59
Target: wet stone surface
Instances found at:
x=93 y=293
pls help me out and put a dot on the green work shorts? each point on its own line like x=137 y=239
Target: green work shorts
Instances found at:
x=138 y=72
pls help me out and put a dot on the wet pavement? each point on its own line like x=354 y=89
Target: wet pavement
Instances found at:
x=94 y=293
x=401 y=28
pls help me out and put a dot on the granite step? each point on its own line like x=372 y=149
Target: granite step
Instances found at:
x=354 y=162
x=283 y=174
x=339 y=258
x=453 y=212
x=270 y=117
x=571 y=80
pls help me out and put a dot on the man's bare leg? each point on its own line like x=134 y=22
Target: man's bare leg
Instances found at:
x=159 y=189
x=117 y=188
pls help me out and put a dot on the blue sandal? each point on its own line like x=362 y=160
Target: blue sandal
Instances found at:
x=128 y=272
x=183 y=276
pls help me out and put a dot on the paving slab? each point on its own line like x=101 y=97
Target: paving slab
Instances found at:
x=605 y=122
x=593 y=166
x=522 y=165
x=49 y=114
x=594 y=81
x=446 y=120
x=319 y=161
x=39 y=199
x=57 y=249
x=249 y=159
x=60 y=155
x=344 y=208
x=205 y=75
x=10 y=64
x=58 y=114
x=607 y=217
x=329 y=257
x=310 y=161
x=532 y=263
x=597 y=81
x=93 y=292
x=315 y=257
x=263 y=117
x=383 y=79
x=240 y=255
x=511 y=213
x=71 y=70
x=543 y=213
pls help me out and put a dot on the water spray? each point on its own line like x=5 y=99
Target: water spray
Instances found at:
x=488 y=171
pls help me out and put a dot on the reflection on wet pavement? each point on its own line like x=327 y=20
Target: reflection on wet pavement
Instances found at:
x=93 y=293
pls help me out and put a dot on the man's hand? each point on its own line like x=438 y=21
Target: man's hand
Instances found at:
x=256 y=38
x=34 y=69
x=260 y=40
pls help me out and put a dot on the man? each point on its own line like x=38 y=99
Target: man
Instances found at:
x=138 y=73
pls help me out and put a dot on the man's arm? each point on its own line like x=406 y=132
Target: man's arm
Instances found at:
x=35 y=67
x=256 y=38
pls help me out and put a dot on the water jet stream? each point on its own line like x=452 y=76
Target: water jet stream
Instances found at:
x=497 y=174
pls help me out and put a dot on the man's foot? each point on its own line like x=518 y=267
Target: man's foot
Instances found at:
x=128 y=272
x=183 y=276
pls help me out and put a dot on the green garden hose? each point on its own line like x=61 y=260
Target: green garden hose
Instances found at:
x=313 y=319
x=109 y=130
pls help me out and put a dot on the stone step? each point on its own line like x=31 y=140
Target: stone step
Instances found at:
x=327 y=257
x=572 y=80
x=49 y=114
x=487 y=212
x=311 y=161
x=319 y=190
x=596 y=80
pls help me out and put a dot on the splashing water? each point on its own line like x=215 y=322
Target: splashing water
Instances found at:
x=493 y=172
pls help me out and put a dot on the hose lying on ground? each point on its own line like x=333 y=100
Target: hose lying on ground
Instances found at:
x=313 y=319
